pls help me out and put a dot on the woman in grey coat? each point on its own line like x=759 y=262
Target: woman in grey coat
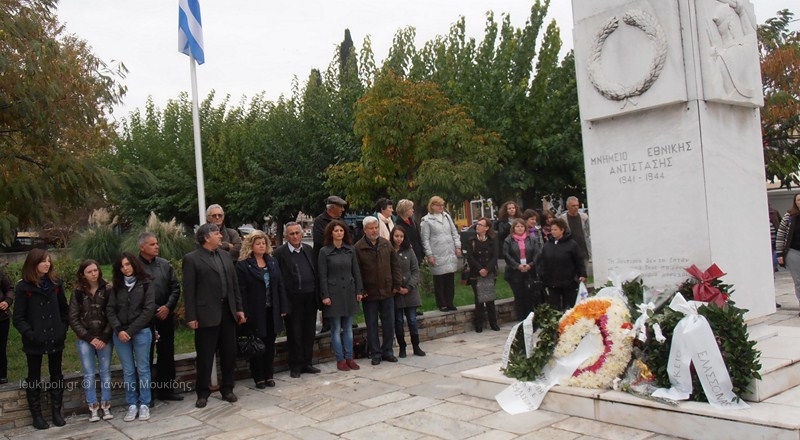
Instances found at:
x=341 y=288
x=442 y=246
x=406 y=303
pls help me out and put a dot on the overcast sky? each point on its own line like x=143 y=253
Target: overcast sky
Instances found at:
x=260 y=45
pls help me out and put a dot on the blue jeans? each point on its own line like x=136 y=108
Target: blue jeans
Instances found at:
x=337 y=325
x=87 y=354
x=138 y=347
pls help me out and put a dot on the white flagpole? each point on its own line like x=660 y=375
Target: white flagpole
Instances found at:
x=198 y=151
x=198 y=164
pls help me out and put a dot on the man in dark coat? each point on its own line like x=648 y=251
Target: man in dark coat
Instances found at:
x=213 y=308
x=334 y=209
x=231 y=241
x=167 y=290
x=380 y=274
x=299 y=271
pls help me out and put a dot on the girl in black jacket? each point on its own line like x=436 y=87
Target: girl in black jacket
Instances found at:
x=130 y=310
x=562 y=266
x=482 y=258
x=40 y=316
x=87 y=317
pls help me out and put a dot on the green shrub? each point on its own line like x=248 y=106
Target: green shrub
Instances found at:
x=99 y=241
x=172 y=240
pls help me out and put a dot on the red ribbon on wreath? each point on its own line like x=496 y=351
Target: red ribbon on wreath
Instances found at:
x=703 y=290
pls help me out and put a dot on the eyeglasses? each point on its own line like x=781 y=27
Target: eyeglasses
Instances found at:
x=217 y=215
x=481 y=224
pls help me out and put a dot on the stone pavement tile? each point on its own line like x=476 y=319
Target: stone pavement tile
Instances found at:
x=438 y=389
x=455 y=369
x=550 y=433
x=277 y=435
x=601 y=430
x=137 y=429
x=457 y=411
x=437 y=425
x=213 y=412
x=494 y=435
x=519 y=423
x=194 y=433
x=372 y=416
x=75 y=427
x=431 y=361
x=384 y=399
x=238 y=432
x=287 y=421
x=663 y=437
x=322 y=407
x=309 y=433
x=385 y=370
x=477 y=402
x=361 y=388
x=415 y=378
x=303 y=389
x=381 y=431
x=261 y=411
x=258 y=399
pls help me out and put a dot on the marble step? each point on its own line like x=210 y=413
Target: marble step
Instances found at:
x=692 y=420
x=780 y=361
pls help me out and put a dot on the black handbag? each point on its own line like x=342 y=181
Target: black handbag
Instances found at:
x=249 y=346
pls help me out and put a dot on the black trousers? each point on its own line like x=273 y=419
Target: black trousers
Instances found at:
x=301 y=327
x=383 y=309
x=262 y=366
x=563 y=297
x=483 y=308
x=164 y=367
x=444 y=288
x=207 y=340
x=35 y=365
x=4 y=326
x=525 y=299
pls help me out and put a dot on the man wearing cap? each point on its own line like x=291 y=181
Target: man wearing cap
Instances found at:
x=231 y=241
x=334 y=208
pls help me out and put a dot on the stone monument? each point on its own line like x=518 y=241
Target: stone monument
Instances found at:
x=669 y=95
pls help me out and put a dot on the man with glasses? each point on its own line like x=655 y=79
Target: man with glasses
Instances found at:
x=231 y=241
x=299 y=272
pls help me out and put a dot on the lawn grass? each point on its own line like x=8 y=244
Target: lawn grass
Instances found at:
x=184 y=337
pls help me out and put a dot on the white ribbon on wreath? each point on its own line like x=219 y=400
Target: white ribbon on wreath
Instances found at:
x=530 y=336
x=693 y=342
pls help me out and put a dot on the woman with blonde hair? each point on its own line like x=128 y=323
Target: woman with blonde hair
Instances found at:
x=264 y=302
x=442 y=246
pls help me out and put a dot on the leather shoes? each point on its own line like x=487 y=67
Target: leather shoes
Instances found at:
x=229 y=397
x=294 y=373
x=171 y=395
x=201 y=402
x=478 y=329
x=261 y=385
x=376 y=361
x=389 y=358
x=495 y=327
x=310 y=369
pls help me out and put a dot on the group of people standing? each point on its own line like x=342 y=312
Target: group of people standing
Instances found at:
x=123 y=315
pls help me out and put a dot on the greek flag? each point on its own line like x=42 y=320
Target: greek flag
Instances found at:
x=190 y=30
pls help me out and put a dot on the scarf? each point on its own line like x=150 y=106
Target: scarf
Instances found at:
x=384 y=232
x=520 y=239
x=130 y=282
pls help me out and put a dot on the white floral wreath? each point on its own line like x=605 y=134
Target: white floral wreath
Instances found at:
x=607 y=319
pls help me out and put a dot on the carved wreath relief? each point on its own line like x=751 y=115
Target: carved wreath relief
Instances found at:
x=654 y=32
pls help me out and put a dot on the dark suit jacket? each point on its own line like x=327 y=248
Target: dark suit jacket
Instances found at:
x=289 y=272
x=203 y=289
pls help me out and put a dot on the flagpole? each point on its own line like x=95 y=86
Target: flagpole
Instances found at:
x=198 y=151
x=198 y=165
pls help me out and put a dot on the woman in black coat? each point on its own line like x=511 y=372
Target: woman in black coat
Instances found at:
x=520 y=273
x=482 y=258
x=40 y=316
x=561 y=266
x=264 y=302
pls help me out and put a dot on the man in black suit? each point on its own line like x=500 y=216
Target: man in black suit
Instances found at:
x=213 y=308
x=299 y=272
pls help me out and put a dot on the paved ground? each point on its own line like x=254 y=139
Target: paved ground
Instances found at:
x=417 y=398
